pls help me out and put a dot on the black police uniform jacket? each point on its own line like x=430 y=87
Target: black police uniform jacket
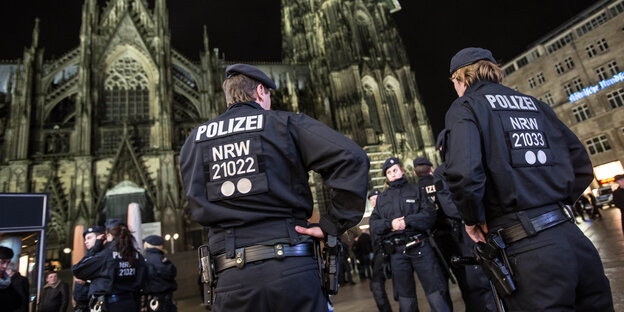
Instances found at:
x=402 y=199
x=249 y=167
x=161 y=273
x=109 y=273
x=509 y=151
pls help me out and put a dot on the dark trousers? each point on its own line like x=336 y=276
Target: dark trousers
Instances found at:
x=474 y=285
x=422 y=260
x=558 y=269
x=123 y=306
x=378 y=284
x=291 y=284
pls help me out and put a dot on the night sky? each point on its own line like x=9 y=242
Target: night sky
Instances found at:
x=432 y=30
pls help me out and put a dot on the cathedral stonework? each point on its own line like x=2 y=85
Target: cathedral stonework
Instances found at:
x=117 y=108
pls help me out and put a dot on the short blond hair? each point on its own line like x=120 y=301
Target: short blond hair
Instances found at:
x=239 y=88
x=481 y=70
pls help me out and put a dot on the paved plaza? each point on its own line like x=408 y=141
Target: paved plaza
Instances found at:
x=605 y=233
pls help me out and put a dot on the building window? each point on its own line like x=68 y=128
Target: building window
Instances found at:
x=602 y=45
x=559 y=68
x=521 y=62
x=616 y=98
x=540 y=78
x=581 y=112
x=126 y=93
x=601 y=73
x=569 y=62
x=548 y=99
x=591 y=52
x=578 y=84
x=598 y=145
x=560 y=43
x=592 y=24
x=510 y=69
x=532 y=82
x=568 y=89
x=613 y=68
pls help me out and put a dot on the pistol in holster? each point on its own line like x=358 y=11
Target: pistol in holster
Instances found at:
x=98 y=304
x=208 y=277
x=329 y=263
x=493 y=259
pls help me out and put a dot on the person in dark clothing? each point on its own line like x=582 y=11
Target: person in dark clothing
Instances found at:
x=81 y=288
x=20 y=284
x=9 y=296
x=54 y=295
x=452 y=239
x=378 y=280
x=618 y=196
x=345 y=275
x=581 y=207
x=161 y=280
x=512 y=166
x=595 y=209
x=362 y=248
x=117 y=271
x=245 y=174
x=401 y=219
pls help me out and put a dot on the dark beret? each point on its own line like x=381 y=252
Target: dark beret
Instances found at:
x=619 y=177
x=389 y=163
x=155 y=240
x=113 y=222
x=98 y=229
x=422 y=161
x=373 y=193
x=469 y=56
x=251 y=72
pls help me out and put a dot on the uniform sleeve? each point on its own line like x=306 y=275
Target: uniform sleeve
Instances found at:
x=465 y=173
x=443 y=195
x=379 y=226
x=583 y=171
x=192 y=168
x=426 y=216
x=89 y=266
x=343 y=166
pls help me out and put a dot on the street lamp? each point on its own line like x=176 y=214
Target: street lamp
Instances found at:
x=175 y=237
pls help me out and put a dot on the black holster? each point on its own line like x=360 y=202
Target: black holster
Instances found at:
x=493 y=259
x=208 y=278
x=98 y=304
x=329 y=264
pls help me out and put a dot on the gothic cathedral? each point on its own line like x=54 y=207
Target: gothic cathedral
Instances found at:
x=112 y=113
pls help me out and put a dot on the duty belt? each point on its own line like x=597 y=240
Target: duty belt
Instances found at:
x=401 y=241
x=262 y=252
x=542 y=222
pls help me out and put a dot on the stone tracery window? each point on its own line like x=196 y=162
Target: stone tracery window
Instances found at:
x=126 y=91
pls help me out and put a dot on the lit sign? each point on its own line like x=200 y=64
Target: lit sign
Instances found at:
x=608 y=171
x=595 y=88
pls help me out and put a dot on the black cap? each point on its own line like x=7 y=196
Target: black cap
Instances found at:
x=251 y=72
x=389 y=163
x=113 y=222
x=155 y=240
x=422 y=161
x=373 y=193
x=469 y=56
x=98 y=229
x=618 y=177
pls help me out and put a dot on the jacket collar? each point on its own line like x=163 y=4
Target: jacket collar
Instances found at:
x=253 y=105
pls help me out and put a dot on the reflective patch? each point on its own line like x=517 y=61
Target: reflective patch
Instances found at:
x=526 y=138
x=227 y=188
x=410 y=201
x=244 y=185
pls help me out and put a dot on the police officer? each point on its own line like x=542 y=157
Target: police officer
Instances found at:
x=511 y=167
x=246 y=179
x=161 y=274
x=116 y=270
x=81 y=288
x=401 y=219
x=452 y=239
x=378 y=280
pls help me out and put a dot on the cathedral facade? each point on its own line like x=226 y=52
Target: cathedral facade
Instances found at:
x=115 y=110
